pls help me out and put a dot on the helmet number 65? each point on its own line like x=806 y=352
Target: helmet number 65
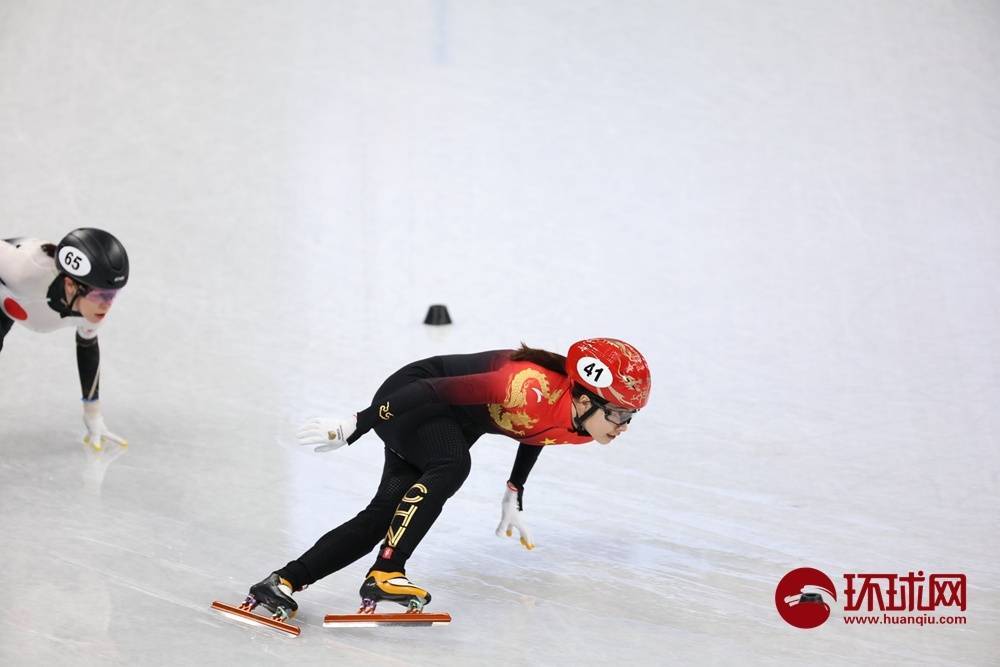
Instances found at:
x=73 y=261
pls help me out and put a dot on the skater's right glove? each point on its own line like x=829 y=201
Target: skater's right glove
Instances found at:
x=324 y=434
x=510 y=517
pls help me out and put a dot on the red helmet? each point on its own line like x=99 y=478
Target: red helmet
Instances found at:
x=611 y=369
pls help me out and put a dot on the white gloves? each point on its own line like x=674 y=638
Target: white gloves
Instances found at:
x=510 y=517
x=325 y=433
x=98 y=434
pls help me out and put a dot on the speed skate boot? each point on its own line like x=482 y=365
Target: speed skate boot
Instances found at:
x=275 y=594
x=392 y=586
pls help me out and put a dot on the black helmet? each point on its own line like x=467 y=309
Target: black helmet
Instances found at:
x=94 y=258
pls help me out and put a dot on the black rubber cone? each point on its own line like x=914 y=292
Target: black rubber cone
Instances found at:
x=437 y=315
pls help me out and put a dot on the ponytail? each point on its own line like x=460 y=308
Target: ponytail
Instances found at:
x=547 y=360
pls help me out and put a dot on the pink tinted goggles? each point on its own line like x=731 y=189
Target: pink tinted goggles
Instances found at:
x=101 y=296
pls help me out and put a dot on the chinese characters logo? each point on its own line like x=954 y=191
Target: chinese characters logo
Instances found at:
x=804 y=597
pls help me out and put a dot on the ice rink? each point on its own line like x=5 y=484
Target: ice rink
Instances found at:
x=792 y=208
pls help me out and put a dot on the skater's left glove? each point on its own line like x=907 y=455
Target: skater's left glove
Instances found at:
x=511 y=511
x=324 y=434
x=98 y=436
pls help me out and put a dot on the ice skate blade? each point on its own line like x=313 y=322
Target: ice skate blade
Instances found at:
x=375 y=620
x=250 y=618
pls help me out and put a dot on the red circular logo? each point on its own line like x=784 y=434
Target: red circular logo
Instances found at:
x=14 y=309
x=803 y=597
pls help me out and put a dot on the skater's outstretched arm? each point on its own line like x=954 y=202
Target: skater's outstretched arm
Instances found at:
x=88 y=361
x=475 y=389
x=326 y=434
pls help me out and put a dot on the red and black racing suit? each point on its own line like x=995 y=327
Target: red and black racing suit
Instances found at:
x=429 y=413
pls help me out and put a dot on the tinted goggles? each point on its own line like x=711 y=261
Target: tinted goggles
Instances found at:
x=617 y=416
x=101 y=296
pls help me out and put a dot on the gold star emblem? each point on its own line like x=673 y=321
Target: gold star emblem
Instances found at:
x=550 y=441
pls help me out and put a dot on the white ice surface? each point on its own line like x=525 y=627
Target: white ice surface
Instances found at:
x=791 y=207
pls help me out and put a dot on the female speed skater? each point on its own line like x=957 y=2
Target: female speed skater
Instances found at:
x=428 y=414
x=45 y=287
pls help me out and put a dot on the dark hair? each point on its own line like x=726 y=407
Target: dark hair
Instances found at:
x=548 y=360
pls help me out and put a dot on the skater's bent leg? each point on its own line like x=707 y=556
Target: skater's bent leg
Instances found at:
x=443 y=454
x=357 y=537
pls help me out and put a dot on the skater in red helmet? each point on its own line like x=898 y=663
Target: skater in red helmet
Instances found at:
x=429 y=414
x=44 y=287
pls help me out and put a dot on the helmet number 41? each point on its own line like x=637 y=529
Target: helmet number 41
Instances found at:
x=594 y=372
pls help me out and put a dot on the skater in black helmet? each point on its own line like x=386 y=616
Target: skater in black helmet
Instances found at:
x=429 y=414
x=44 y=287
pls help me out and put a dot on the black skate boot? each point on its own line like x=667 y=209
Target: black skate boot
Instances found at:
x=392 y=586
x=275 y=594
